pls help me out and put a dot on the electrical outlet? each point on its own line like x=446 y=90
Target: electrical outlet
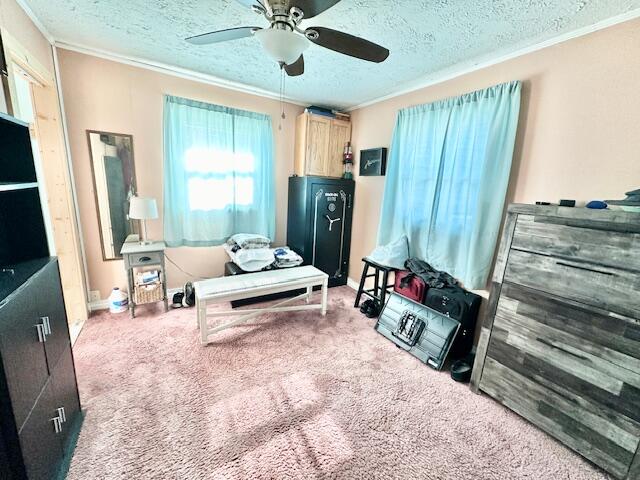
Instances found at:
x=94 y=296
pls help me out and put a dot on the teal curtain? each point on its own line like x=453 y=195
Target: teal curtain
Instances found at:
x=447 y=178
x=218 y=173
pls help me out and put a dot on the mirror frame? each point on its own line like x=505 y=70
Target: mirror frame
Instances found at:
x=95 y=190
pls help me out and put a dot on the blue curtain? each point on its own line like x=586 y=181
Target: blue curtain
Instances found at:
x=447 y=178
x=218 y=173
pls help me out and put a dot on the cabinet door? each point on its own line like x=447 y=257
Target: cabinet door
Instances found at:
x=340 y=134
x=318 y=132
x=23 y=354
x=50 y=305
x=41 y=447
x=66 y=390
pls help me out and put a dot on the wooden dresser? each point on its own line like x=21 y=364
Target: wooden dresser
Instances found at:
x=560 y=342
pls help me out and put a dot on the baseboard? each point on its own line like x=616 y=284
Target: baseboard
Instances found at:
x=353 y=284
x=104 y=303
x=98 y=305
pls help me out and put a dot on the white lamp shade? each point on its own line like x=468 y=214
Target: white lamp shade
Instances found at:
x=143 y=208
x=283 y=46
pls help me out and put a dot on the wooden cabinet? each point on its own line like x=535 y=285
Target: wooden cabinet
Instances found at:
x=560 y=343
x=319 y=145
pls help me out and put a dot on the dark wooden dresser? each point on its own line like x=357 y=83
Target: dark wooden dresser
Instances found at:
x=39 y=399
x=560 y=342
x=39 y=406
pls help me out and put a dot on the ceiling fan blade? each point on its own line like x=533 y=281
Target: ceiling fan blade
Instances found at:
x=296 y=68
x=311 y=8
x=349 y=45
x=222 y=35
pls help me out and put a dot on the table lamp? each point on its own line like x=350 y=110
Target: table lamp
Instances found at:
x=143 y=208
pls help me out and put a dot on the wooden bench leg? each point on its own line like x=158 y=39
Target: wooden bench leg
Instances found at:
x=383 y=293
x=309 y=292
x=325 y=287
x=202 y=321
x=365 y=270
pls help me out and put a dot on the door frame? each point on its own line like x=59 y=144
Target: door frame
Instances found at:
x=19 y=57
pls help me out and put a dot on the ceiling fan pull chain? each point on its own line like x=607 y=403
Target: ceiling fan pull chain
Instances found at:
x=284 y=84
x=282 y=116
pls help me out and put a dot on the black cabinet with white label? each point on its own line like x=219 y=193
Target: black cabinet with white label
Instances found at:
x=319 y=223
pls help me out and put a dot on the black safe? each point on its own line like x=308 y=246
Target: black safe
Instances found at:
x=319 y=223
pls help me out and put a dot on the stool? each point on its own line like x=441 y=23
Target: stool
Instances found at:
x=379 y=291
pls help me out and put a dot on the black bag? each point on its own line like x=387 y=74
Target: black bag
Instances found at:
x=432 y=278
x=461 y=305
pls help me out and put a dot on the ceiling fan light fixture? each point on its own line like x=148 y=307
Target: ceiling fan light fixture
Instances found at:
x=283 y=46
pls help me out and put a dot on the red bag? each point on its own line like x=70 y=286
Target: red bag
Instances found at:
x=410 y=285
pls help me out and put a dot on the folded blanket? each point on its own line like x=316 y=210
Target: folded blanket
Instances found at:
x=285 y=257
x=249 y=241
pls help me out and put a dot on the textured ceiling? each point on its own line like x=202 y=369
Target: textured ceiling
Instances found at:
x=425 y=37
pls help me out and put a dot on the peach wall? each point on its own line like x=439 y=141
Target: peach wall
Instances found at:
x=20 y=26
x=579 y=130
x=104 y=95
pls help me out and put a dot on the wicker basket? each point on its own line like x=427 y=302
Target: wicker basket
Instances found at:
x=151 y=292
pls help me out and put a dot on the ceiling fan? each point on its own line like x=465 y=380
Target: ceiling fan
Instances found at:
x=285 y=40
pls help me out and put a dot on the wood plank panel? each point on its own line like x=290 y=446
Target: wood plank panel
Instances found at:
x=317 y=147
x=512 y=318
x=612 y=220
x=575 y=427
x=537 y=234
x=625 y=403
x=60 y=201
x=613 y=332
x=559 y=359
x=496 y=286
x=518 y=361
x=607 y=288
x=340 y=134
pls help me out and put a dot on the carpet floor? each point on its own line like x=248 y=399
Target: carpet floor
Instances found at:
x=291 y=395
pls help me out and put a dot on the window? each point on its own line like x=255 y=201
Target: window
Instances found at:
x=218 y=173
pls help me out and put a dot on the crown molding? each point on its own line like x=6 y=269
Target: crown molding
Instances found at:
x=175 y=71
x=470 y=67
x=36 y=21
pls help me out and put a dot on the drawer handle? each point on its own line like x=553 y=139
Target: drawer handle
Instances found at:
x=144 y=259
x=587 y=269
x=42 y=337
x=46 y=325
x=57 y=424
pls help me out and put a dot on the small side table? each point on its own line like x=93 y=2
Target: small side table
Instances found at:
x=379 y=291
x=136 y=255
